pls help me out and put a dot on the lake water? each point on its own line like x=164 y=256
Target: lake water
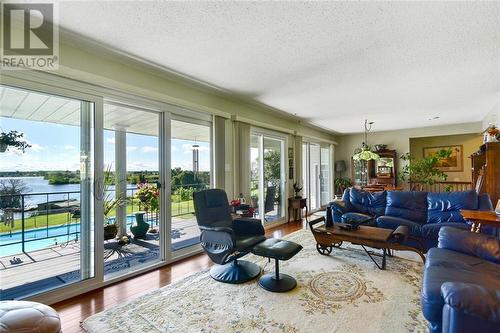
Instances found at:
x=38 y=185
x=42 y=191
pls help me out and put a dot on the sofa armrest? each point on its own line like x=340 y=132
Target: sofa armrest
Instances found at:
x=474 y=244
x=339 y=207
x=469 y=303
x=248 y=227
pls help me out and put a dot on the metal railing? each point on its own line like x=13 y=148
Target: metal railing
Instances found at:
x=32 y=217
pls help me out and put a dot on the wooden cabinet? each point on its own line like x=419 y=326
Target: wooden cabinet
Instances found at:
x=488 y=157
x=380 y=172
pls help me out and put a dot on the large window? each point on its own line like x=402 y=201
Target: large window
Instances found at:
x=46 y=201
x=95 y=174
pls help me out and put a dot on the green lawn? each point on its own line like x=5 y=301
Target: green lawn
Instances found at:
x=182 y=209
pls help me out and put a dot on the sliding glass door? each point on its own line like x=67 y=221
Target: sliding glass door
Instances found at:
x=191 y=171
x=325 y=180
x=46 y=183
x=267 y=182
x=132 y=228
x=316 y=166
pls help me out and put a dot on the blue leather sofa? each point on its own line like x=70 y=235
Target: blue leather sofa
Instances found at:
x=424 y=213
x=461 y=283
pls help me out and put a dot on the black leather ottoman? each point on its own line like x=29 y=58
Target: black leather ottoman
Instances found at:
x=277 y=249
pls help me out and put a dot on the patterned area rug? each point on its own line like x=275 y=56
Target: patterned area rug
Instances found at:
x=343 y=292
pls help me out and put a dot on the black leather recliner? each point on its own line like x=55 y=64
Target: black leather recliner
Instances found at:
x=224 y=239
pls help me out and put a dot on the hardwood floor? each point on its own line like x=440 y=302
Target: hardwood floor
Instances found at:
x=76 y=309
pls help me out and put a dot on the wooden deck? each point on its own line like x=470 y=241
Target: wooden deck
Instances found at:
x=59 y=264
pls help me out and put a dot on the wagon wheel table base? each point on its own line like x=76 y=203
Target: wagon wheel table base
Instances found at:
x=365 y=236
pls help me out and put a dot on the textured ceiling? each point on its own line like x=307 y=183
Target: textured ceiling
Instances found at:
x=333 y=64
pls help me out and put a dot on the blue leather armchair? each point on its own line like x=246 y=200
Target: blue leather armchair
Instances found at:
x=424 y=213
x=461 y=283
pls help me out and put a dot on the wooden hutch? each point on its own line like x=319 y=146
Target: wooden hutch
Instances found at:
x=381 y=172
x=488 y=157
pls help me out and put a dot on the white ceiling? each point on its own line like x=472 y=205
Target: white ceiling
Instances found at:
x=334 y=64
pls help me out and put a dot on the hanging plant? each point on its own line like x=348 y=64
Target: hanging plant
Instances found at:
x=12 y=139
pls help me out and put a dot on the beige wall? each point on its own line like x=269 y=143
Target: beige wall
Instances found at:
x=470 y=143
x=399 y=140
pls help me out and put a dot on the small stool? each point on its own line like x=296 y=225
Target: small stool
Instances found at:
x=277 y=249
x=23 y=316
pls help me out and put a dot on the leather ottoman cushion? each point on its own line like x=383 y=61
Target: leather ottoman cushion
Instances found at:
x=23 y=316
x=277 y=249
x=390 y=222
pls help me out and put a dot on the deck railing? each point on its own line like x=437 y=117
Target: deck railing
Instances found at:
x=46 y=215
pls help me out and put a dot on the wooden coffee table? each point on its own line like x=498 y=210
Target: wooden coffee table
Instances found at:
x=379 y=238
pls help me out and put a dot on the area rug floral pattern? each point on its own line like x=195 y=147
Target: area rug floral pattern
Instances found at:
x=342 y=292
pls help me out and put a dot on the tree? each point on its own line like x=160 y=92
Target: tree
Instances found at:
x=10 y=190
x=419 y=172
x=272 y=165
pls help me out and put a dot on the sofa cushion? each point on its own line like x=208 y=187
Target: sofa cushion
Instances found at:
x=431 y=231
x=407 y=205
x=448 y=266
x=391 y=222
x=368 y=202
x=445 y=206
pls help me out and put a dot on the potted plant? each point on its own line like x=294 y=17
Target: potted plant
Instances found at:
x=419 y=172
x=110 y=203
x=12 y=139
x=149 y=195
x=341 y=183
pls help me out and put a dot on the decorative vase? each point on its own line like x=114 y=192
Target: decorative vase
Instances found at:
x=3 y=147
x=141 y=228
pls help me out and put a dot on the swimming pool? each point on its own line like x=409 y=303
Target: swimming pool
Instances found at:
x=41 y=238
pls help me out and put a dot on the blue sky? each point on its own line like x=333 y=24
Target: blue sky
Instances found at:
x=56 y=147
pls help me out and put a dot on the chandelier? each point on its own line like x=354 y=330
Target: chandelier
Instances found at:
x=365 y=154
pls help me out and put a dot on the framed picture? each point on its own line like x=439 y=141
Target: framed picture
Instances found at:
x=454 y=163
x=290 y=152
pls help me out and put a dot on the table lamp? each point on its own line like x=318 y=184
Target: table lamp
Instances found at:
x=340 y=166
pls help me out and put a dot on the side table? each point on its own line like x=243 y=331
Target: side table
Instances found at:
x=297 y=204
x=479 y=218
